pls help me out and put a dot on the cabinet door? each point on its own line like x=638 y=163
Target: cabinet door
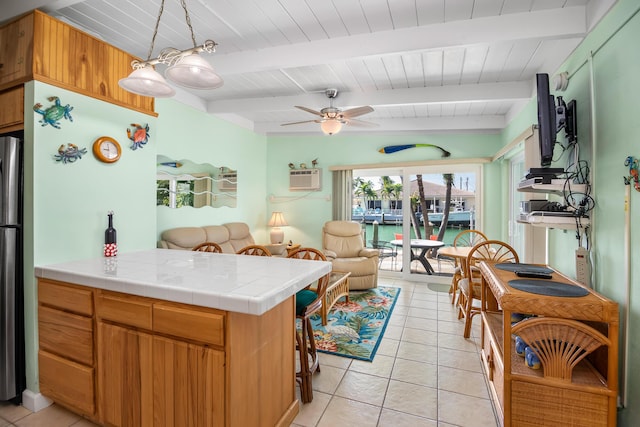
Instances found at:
x=125 y=382
x=15 y=51
x=189 y=384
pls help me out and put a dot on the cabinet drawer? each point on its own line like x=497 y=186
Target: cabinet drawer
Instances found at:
x=203 y=326
x=67 y=382
x=65 y=297
x=66 y=334
x=127 y=310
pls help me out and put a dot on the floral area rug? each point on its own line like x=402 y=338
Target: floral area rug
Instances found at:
x=355 y=329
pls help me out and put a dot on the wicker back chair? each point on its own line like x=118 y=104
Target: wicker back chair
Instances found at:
x=308 y=302
x=470 y=284
x=466 y=238
x=255 y=250
x=208 y=247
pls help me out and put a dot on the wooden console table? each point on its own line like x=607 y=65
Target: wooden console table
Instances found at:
x=577 y=382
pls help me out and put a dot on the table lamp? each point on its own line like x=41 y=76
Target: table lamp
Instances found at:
x=277 y=220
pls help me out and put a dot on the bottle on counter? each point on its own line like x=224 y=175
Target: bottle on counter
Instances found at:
x=110 y=244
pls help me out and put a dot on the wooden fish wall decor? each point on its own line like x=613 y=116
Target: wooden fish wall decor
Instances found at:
x=395 y=148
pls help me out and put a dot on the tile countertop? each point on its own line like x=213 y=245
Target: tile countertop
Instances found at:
x=240 y=283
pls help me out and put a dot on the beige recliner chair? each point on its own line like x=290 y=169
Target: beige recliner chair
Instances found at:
x=342 y=244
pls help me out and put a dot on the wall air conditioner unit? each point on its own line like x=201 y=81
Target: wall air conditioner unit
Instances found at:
x=228 y=181
x=305 y=180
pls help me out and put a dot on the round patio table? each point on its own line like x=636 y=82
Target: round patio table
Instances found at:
x=421 y=246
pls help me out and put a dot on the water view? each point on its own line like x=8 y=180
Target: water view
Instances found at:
x=388 y=232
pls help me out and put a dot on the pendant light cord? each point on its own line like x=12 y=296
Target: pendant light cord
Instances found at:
x=188 y=19
x=155 y=30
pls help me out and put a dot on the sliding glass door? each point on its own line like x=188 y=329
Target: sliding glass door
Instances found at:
x=408 y=213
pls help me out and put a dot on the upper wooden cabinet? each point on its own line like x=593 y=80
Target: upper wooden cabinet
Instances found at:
x=39 y=47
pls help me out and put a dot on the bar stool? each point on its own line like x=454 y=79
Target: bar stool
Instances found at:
x=308 y=302
x=255 y=250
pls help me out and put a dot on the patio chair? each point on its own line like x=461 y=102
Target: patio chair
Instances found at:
x=385 y=250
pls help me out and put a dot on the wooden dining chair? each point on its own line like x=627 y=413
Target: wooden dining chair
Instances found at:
x=308 y=302
x=468 y=238
x=470 y=285
x=208 y=247
x=255 y=250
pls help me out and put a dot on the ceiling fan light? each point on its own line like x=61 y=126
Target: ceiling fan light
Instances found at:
x=194 y=72
x=331 y=126
x=147 y=81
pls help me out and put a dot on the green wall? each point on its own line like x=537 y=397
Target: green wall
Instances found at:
x=306 y=212
x=66 y=205
x=186 y=133
x=608 y=128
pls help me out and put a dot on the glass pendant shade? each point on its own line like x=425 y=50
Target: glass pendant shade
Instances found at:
x=148 y=82
x=194 y=72
x=331 y=126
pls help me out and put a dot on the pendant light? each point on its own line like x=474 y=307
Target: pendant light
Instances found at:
x=185 y=67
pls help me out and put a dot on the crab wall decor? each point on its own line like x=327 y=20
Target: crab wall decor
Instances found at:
x=54 y=113
x=69 y=154
x=139 y=136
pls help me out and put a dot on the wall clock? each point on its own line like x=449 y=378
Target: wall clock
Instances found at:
x=107 y=149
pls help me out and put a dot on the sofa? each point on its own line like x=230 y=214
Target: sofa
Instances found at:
x=343 y=245
x=231 y=237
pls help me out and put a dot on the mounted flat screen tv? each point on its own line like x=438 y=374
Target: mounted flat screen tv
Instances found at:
x=546 y=120
x=552 y=119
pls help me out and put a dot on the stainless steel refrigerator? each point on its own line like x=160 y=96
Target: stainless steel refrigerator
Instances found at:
x=12 y=363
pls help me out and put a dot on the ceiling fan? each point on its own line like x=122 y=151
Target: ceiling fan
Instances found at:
x=332 y=118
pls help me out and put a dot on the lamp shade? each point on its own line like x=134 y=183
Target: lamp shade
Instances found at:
x=148 y=82
x=331 y=126
x=277 y=220
x=194 y=72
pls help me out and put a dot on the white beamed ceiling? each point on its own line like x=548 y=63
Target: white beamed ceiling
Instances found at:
x=423 y=65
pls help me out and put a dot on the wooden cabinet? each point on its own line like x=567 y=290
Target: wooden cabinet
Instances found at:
x=148 y=379
x=189 y=384
x=12 y=109
x=16 y=54
x=39 y=47
x=66 y=355
x=577 y=341
x=124 y=360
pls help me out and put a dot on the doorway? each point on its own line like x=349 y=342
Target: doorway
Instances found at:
x=392 y=204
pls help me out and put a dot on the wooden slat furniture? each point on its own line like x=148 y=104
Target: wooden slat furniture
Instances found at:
x=338 y=287
x=558 y=393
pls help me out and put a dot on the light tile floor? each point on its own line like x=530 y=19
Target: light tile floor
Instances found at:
x=424 y=374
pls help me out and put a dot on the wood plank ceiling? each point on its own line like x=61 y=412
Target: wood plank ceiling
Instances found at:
x=423 y=65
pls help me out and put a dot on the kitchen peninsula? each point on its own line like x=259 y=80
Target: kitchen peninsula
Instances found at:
x=169 y=337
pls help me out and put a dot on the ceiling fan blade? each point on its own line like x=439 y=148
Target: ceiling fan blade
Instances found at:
x=309 y=110
x=361 y=123
x=355 y=112
x=299 y=123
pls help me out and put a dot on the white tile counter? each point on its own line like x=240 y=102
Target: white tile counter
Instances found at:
x=239 y=283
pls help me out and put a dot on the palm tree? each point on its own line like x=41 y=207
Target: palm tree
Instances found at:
x=365 y=190
x=387 y=187
x=397 y=194
x=448 y=181
x=428 y=228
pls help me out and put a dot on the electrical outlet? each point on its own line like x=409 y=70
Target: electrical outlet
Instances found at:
x=583 y=268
